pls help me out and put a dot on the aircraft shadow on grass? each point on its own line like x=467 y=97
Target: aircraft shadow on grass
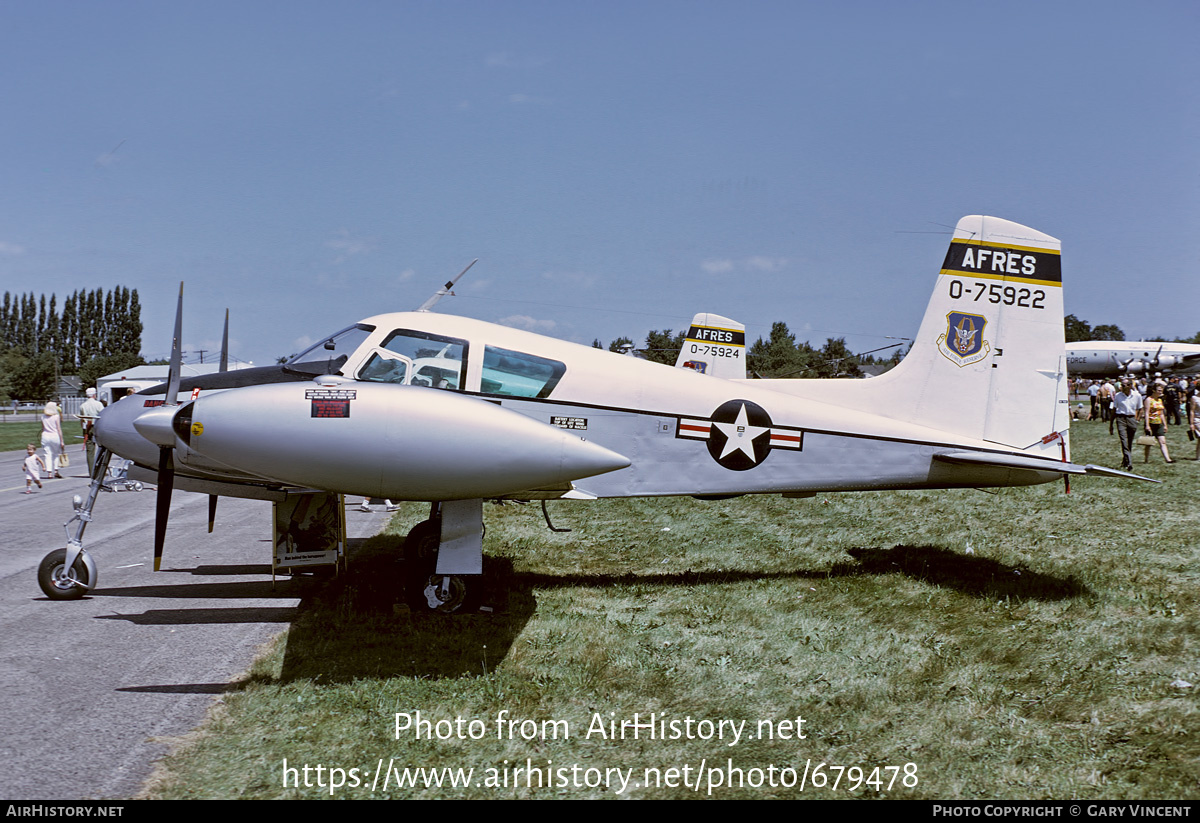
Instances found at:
x=349 y=628
x=356 y=625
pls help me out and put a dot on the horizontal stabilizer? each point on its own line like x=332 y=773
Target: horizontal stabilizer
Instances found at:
x=1017 y=461
x=1104 y=471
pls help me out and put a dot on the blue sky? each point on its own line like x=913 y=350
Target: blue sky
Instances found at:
x=616 y=166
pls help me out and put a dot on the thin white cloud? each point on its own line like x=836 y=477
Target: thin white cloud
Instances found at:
x=348 y=245
x=528 y=100
x=524 y=321
x=717 y=266
x=406 y=275
x=11 y=249
x=766 y=263
x=753 y=263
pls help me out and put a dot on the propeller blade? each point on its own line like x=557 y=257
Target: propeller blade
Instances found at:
x=212 y=512
x=225 y=348
x=176 y=354
x=162 y=508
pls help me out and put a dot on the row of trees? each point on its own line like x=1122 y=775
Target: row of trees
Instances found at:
x=781 y=356
x=777 y=356
x=91 y=324
x=94 y=334
x=1080 y=330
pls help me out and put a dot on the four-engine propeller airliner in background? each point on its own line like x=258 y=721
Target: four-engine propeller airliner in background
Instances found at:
x=1107 y=358
x=449 y=410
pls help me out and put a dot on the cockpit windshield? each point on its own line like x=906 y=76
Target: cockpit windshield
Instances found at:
x=327 y=355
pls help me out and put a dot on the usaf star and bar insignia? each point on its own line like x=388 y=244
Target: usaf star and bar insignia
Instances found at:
x=740 y=435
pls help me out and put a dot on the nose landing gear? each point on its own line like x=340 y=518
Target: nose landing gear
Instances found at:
x=70 y=573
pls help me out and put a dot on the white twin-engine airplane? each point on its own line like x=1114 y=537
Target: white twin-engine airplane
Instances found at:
x=453 y=411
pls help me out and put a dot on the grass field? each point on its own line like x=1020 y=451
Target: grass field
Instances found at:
x=16 y=436
x=961 y=644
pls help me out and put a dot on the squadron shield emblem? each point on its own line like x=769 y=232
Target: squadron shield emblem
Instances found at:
x=963 y=342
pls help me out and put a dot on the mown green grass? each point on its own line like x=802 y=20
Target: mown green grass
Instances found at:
x=15 y=436
x=1021 y=644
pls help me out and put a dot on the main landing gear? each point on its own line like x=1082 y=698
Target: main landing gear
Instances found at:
x=70 y=573
x=443 y=558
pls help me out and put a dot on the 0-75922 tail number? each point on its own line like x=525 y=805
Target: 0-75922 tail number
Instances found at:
x=996 y=293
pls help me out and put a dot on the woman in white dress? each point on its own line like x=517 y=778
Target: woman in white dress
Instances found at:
x=52 y=437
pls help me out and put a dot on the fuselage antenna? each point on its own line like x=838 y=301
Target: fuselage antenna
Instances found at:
x=446 y=289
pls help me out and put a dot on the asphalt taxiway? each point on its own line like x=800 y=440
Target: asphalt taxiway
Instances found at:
x=92 y=691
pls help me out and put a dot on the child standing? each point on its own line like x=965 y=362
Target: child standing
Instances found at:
x=33 y=467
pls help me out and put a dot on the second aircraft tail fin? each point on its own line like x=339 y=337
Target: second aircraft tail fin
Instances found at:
x=716 y=346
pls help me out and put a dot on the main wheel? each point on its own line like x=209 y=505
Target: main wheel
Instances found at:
x=54 y=580
x=444 y=594
x=420 y=560
x=425 y=589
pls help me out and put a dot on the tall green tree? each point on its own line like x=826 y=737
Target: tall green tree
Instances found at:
x=1076 y=330
x=106 y=364
x=779 y=355
x=1080 y=330
x=35 y=378
x=663 y=346
x=836 y=360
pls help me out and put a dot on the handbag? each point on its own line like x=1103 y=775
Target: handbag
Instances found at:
x=1146 y=440
x=63 y=460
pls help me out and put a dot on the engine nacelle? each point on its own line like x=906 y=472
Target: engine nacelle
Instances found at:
x=378 y=440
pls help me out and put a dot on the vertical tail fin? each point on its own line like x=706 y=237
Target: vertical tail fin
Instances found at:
x=716 y=346
x=989 y=361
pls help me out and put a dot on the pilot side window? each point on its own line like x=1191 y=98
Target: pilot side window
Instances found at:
x=419 y=359
x=516 y=374
x=385 y=366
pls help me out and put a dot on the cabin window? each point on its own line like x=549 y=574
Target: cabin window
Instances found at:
x=329 y=354
x=385 y=366
x=516 y=374
x=434 y=361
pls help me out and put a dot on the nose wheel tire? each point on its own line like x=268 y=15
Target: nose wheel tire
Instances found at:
x=56 y=583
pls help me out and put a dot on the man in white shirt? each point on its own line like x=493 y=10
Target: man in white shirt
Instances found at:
x=88 y=413
x=1127 y=404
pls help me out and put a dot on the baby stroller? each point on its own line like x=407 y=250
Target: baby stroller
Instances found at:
x=118 y=470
